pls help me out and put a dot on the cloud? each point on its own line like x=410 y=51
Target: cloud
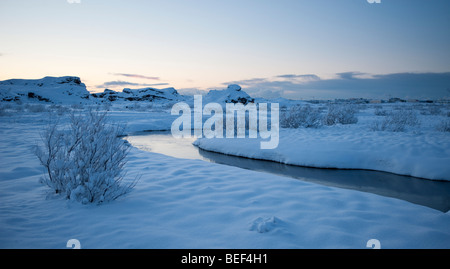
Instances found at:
x=191 y=91
x=307 y=77
x=287 y=76
x=351 y=85
x=135 y=76
x=253 y=81
x=127 y=83
x=350 y=75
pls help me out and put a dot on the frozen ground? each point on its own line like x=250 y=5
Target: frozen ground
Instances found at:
x=182 y=203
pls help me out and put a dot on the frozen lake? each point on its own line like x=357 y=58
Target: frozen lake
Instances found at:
x=433 y=194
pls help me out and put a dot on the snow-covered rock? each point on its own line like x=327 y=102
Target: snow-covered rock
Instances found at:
x=68 y=90
x=232 y=94
x=144 y=94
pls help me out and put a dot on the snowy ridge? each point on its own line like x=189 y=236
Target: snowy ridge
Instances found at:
x=67 y=90
x=232 y=94
x=70 y=90
x=144 y=94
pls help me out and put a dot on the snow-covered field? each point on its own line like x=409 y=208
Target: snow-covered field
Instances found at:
x=420 y=151
x=180 y=203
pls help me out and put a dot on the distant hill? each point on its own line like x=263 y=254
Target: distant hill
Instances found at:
x=134 y=95
x=66 y=90
x=232 y=94
x=70 y=90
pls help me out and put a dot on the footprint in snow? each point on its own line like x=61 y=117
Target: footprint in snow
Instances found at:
x=264 y=225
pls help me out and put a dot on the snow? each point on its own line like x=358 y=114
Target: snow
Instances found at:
x=423 y=152
x=180 y=203
x=142 y=121
x=144 y=94
x=65 y=90
x=185 y=203
x=232 y=94
x=70 y=90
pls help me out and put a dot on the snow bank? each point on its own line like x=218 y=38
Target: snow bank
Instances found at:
x=424 y=154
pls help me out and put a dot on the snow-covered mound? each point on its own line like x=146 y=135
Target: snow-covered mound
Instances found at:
x=232 y=94
x=67 y=89
x=144 y=94
x=70 y=90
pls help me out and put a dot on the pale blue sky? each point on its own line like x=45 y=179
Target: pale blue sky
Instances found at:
x=206 y=44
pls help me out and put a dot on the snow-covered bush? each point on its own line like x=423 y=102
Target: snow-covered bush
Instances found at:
x=301 y=116
x=341 y=114
x=85 y=162
x=137 y=106
x=77 y=106
x=36 y=108
x=397 y=121
x=59 y=109
x=431 y=110
x=18 y=107
x=443 y=125
x=10 y=109
x=379 y=111
x=7 y=106
x=107 y=106
x=3 y=111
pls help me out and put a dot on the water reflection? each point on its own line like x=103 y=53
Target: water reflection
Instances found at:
x=433 y=194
